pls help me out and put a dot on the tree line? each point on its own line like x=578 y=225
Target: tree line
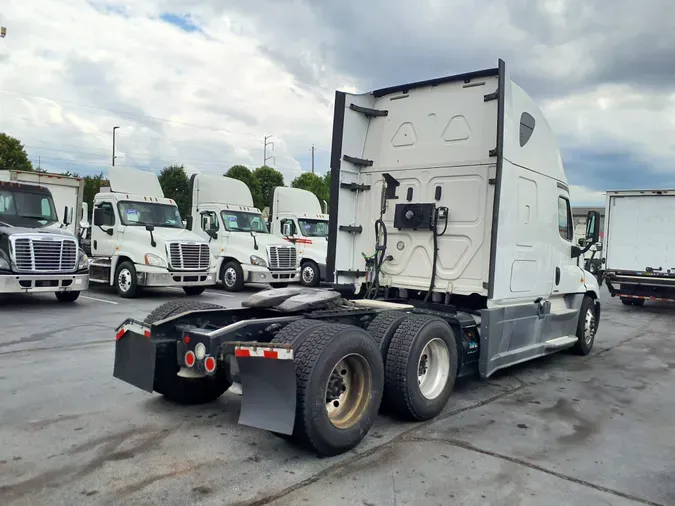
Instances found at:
x=174 y=180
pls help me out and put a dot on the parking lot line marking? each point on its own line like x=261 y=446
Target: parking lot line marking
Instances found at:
x=98 y=300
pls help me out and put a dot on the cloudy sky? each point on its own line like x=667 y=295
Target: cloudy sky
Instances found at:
x=201 y=82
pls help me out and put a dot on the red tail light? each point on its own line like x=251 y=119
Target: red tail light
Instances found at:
x=190 y=359
x=210 y=364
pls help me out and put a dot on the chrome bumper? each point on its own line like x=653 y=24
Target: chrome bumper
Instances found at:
x=163 y=277
x=29 y=283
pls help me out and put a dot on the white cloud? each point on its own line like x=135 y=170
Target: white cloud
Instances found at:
x=80 y=56
x=582 y=196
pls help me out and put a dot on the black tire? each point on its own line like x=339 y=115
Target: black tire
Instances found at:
x=584 y=345
x=383 y=327
x=638 y=302
x=626 y=301
x=67 y=296
x=402 y=392
x=232 y=276
x=184 y=390
x=315 y=360
x=176 y=307
x=187 y=391
x=310 y=274
x=279 y=285
x=194 y=290
x=126 y=269
x=294 y=334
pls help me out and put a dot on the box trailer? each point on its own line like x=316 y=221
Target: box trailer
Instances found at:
x=639 y=246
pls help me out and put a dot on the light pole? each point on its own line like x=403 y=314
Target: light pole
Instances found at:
x=113 y=154
x=265 y=157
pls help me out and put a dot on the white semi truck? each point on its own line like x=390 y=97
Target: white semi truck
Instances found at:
x=138 y=239
x=222 y=212
x=451 y=249
x=37 y=251
x=639 y=247
x=297 y=216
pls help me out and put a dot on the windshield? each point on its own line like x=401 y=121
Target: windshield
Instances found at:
x=239 y=221
x=145 y=213
x=23 y=204
x=313 y=228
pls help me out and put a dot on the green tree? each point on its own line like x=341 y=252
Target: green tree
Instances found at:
x=313 y=183
x=92 y=185
x=244 y=174
x=176 y=186
x=13 y=155
x=268 y=179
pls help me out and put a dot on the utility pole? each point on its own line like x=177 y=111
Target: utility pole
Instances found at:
x=113 y=155
x=265 y=157
x=313 y=149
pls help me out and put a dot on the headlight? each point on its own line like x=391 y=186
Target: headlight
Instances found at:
x=200 y=351
x=256 y=260
x=4 y=264
x=154 y=260
x=83 y=263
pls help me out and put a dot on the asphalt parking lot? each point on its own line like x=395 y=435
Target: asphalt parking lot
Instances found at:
x=560 y=430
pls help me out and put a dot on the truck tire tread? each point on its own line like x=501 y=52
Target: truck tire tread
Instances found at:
x=308 y=421
x=401 y=392
x=383 y=327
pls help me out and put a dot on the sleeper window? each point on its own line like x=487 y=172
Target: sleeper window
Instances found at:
x=565 y=224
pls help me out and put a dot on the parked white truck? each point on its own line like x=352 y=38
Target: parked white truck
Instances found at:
x=222 y=212
x=296 y=216
x=639 y=247
x=138 y=239
x=471 y=268
x=37 y=251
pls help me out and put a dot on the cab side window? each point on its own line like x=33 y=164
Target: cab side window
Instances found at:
x=294 y=231
x=108 y=214
x=209 y=219
x=565 y=223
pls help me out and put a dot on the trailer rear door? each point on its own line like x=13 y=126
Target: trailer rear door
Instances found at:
x=640 y=232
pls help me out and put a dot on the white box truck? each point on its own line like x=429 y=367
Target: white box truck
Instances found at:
x=222 y=212
x=37 y=251
x=639 y=245
x=472 y=267
x=296 y=215
x=138 y=239
x=67 y=193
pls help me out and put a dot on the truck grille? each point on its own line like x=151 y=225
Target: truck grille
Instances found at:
x=189 y=257
x=39 y=254
x=283 y=257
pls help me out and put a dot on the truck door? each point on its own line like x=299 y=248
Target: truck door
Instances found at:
x=566 y=274
x=105 y=237
x=208 y=226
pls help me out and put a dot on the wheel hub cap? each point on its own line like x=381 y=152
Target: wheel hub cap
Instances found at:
x=230 y=277
x=308 y=274
x=433 y=368
x=124 y=280
x=348 y=391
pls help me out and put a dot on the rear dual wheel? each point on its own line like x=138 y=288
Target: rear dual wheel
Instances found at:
x=339 y=380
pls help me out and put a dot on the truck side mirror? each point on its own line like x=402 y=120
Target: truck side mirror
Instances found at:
x=287 y=229
x=593 y=227
x=67 y=215
x=582 y=241
x=99 y=217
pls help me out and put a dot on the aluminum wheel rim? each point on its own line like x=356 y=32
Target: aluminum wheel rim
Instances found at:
x=124 y=280
x=347 y=392
x=433 y=368
x=308 y=274
x=230 y=277
x=589 y=326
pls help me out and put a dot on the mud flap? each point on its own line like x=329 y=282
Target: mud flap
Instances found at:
x=268 y=393
x=135 y=360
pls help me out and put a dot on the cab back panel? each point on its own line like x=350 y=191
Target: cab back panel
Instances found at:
x=436 y=140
